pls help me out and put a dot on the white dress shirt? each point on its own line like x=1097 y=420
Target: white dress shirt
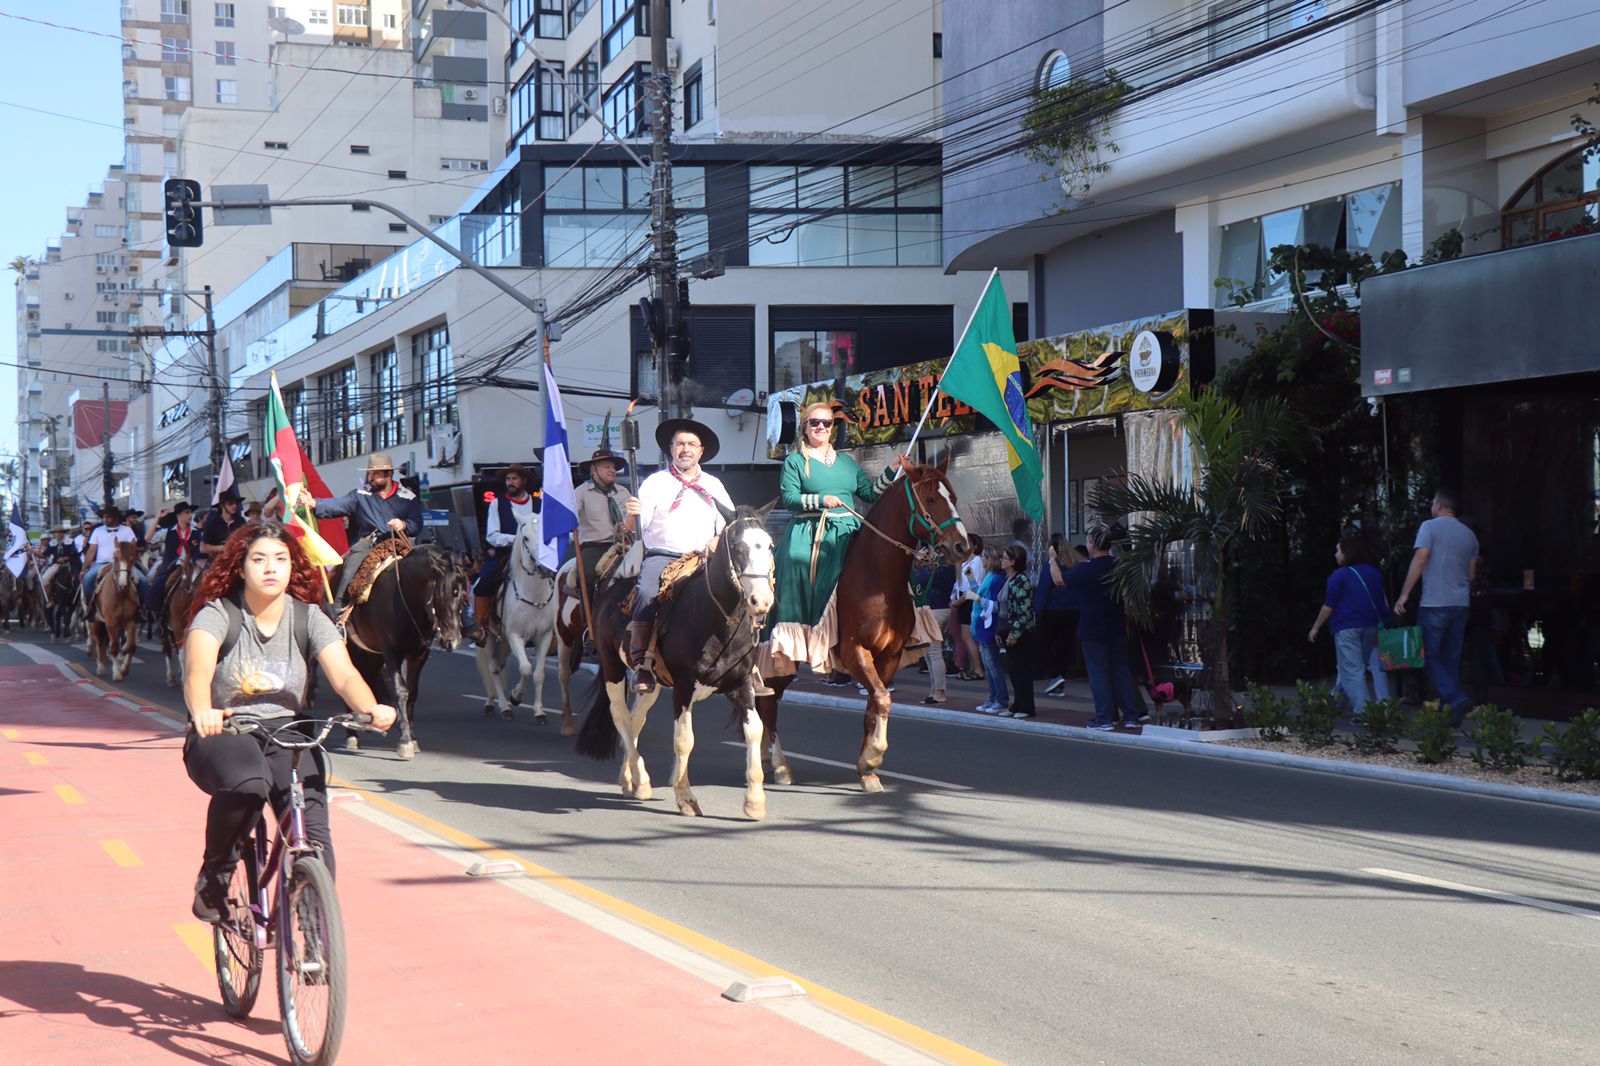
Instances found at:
x=501 y=538
x=688 y=528
x=104 y=541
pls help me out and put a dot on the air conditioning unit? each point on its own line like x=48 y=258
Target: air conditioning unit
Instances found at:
x=470 y=94
x=99 y=269
x=66 y=296
x=498 y=106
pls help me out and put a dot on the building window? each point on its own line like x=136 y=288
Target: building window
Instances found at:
x=1054 y=72
x=844 y=216
x=389 y=22
x=585 y=82
x=599 y=215
x=576 y=9
x=277 y=13
x=463 y=164
x=105 y=318
x=226 y=54
x=107 y=231
x=175 y=479
x=176 y=88
x=397 y=175
x=174 y=10
x=723 y=342
x=801 y=356
x=694 y=100
x=389 y=404
x=625 y=104
x=174 y=49
x=435 y=372
x=1367 y=222
x=538 y=108
x=360 y=149
x=1235 y=25
x=275 y=146
x=352 y=14
x=227 y=91
x=339 y=395
x=1563 y=199
x=104 y=261
x=317 y=17
x=294 y=403
x=224 y=16
x=620 y=22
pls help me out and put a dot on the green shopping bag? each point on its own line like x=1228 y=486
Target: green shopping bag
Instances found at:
x=1400 y=648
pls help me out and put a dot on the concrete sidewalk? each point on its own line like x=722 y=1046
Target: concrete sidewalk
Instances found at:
x=104 y=962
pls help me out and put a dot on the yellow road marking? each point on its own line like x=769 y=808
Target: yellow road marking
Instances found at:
x=68 y=794
x=35 y=759
x=196 y=936
x=888 y=1024
x=10 y=734
x=120 y=853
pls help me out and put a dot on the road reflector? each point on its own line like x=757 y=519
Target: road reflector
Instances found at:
x=497 y=868
x=762 y=988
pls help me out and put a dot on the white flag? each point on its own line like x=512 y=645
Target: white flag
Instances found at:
x=226 y=480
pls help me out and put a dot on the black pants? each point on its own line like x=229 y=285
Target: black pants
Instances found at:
x=1058 y=644
x=1018 y=658
x=240 y=772
x=352 y=562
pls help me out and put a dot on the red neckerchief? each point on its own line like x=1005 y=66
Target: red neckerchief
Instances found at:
x=689 y=486
x=183 y=537
x=394 y=487
x=513 y=499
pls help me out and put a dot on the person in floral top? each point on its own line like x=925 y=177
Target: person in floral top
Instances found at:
x=1018 y=627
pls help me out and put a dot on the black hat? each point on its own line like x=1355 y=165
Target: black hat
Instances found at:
x=229 y=493
x=672 y=426
x=182 y=507
x=605 y=453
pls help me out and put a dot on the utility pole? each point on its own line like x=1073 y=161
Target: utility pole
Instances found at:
x=674 y=340
x=106 y=479
x=216 y=411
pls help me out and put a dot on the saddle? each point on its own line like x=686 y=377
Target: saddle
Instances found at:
x=383 y=555
x=675 y=574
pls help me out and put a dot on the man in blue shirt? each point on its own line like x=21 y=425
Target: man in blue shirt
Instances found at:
x=1446 y=561
x=1103 y=633
x=380 y=508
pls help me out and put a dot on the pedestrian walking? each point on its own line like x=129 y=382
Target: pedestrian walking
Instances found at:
x=985 y=626
x=968 y=579
x=1018 y=630
x=1056 y=606
x=941 y=584
x=1445 y=560
x=1354 y=609
x=1103 y=634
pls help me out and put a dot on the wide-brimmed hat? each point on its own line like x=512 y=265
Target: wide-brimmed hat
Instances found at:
x=61 y=528
x=519 y=470
x=229 y=494
x=708 y=439
x=253 y=505
x=379 y=461
x=605 y=453
x=182 y=507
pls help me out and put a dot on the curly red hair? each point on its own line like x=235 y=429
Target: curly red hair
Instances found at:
x=226 y=572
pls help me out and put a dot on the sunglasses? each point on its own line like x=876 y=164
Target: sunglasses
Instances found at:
x=819 y=422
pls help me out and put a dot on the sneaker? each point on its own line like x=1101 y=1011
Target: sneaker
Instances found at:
x=838 y=680
x=1100 y=727
x=211 y=895
x=933 y=699
x=1023 y=714
x=993 y=708
x=1056 y=687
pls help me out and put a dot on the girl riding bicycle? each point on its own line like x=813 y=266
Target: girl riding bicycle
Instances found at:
x=249 y=648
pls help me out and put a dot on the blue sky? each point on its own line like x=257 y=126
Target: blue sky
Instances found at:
x=55 y=160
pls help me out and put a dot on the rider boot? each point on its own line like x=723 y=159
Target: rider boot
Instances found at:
x=481 y=626
x=211 y=892
x=644 y=673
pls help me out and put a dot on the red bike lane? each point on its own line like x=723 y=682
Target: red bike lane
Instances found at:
x=103 y=963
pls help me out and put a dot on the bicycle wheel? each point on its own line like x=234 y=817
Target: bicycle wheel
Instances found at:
x=311 y=974
x=234 y=940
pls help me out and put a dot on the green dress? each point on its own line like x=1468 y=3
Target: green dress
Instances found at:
x=800 y=597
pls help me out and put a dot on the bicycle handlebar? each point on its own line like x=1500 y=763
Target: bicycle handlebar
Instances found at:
x=247 y=723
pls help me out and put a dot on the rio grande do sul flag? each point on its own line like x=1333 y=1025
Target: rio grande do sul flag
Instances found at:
x=985 y=374
x=288 y=465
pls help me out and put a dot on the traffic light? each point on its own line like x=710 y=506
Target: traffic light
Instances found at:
x=182 y=198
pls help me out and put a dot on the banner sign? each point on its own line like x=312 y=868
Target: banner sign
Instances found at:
x=1139 y=365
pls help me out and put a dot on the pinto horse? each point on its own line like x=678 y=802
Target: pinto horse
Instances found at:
x=413 y=603
x=873 y=607
x=705 y=642
x=527 y=609
x=174 y=616
x=114 y=633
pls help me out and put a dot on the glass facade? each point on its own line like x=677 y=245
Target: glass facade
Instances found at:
x=599 y=215
x=434 y=369
x=1367 y=222
x=844 y=216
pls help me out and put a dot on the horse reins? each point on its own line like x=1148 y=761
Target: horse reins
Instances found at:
x=535 y=569
x=919 y=513
x=734 y=575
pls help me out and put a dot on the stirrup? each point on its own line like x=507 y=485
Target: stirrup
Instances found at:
x=644 y=677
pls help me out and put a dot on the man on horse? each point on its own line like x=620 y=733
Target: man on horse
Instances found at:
x=500 y=533
x=224 y=519
x=602 y=508
x=101 y=551
x=68 y=552
x=381 y=508
x=679 y=509
x=181 y=542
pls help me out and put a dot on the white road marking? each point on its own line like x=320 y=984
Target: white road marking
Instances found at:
x=851 y=766
x=1490 y=893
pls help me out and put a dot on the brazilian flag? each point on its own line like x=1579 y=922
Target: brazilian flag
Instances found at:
x=986 y=375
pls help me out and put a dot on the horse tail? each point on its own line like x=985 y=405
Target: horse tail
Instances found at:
x=598 y=738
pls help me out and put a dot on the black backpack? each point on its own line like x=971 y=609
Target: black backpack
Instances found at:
x=301 y=620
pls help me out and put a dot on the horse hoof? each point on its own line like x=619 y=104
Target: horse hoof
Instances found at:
x=644 y=792
x=488 y=709
x=508 y=715
x=870 y=784
x=689 y=807
x=352 y=744
x=755 y=810
x=407 y=749
x=782 y=776
x=568 y=729
x=516 y=699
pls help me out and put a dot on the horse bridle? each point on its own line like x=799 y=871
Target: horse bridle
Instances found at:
x=734 y=576
x=919 y=513
x=535 y=569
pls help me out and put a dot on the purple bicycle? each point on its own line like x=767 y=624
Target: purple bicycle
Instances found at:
x=301 y=919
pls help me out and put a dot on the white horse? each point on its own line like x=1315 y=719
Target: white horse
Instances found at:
x=527 y=607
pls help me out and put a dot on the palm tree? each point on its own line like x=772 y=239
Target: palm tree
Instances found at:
x=1232 y=498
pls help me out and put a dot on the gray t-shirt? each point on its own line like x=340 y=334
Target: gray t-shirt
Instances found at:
x=263 y=676
x=1451 y=549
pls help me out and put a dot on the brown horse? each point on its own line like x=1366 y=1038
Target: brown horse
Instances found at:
x=874 y=612
x=114 y=633
x=30 y=598
x=174 y=620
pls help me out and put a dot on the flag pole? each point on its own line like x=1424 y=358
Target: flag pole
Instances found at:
x=928 y=406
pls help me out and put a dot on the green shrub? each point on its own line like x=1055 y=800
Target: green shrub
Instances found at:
x=1379 y=726
x=1435 y=736
x=1266 y=712
x=1498 y=734
x=1318 y=717
x=1575 y=750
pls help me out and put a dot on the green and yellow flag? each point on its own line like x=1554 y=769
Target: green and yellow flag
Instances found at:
x=986 y=374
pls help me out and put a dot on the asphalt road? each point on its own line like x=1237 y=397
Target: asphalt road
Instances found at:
x=1044 y=900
